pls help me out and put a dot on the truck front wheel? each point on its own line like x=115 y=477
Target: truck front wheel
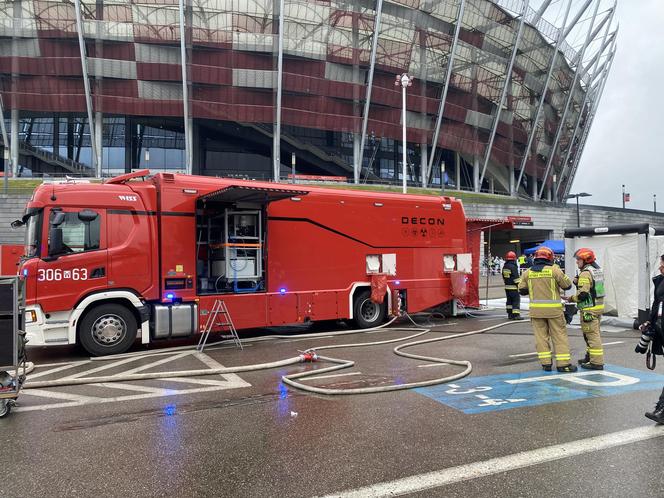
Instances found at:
x=108 y=329
x=366 y=313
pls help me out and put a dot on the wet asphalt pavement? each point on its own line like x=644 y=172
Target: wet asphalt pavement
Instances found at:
x=249 y=435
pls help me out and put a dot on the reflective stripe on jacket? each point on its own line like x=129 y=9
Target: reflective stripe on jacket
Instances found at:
x=585 y=297
x=544 y=284
x=511 y=275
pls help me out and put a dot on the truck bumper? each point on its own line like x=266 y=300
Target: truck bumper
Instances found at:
x=46 y=331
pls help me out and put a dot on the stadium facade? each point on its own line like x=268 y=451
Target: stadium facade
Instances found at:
x=501 y=99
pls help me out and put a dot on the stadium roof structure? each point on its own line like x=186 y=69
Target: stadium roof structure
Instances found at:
x=502 y=99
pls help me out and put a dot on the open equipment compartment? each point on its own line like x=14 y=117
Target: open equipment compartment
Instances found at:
x=231 y=233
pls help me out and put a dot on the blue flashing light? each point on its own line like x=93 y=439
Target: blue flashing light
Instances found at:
x=397 y=282
x=169 y=410
x=282 y=291
x=170 y=295
x=25 y=272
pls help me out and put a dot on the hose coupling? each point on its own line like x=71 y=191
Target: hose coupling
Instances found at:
x=308 y=356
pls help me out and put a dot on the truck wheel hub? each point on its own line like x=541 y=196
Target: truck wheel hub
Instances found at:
x=369 y=310
x=108 y=329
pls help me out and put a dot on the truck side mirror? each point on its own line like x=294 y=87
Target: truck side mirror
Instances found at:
x=55 y=243
x=57 y=218
x=86 y=216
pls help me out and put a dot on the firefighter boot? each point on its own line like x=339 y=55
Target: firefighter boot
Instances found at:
x=546 y=368
x=591 y=366
x=567 y=369
x=585 y=359
x=658 y=413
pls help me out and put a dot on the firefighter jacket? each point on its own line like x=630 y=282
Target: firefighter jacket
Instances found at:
x=589 y=296
x=511 y=275
x=543 y=283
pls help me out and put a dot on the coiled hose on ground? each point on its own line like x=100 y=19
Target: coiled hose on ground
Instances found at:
x=307 y=355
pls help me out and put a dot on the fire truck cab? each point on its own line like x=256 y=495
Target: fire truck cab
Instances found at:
x=149 y=256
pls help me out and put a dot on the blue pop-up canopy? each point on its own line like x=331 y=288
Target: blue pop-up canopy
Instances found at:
x=557 y=246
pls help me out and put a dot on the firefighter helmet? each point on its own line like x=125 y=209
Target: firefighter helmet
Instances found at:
x=510 y=256
x=586 y=255
x=544 y=253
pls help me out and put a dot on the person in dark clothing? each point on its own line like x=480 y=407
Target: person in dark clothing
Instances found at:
x=511 y=279
x=652 y=330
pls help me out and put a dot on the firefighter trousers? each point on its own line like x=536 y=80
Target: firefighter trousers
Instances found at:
x=591 y=334
x=548 y=330
x=513 y=305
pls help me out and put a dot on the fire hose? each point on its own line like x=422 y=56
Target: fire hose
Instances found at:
x=310 y=354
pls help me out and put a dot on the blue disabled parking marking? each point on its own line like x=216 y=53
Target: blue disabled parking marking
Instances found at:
x=507 y=391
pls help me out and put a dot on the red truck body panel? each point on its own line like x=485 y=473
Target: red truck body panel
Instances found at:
x=315 y=249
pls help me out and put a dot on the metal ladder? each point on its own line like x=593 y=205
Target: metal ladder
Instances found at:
x=219 y=308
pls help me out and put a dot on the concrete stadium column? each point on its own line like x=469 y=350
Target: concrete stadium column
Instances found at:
x=512 y=189
x=13 y=140
x=492 y=185
x=534 y=185
x=128 y=144
x=549 y=194
x=56 y=134
x=457 y=170
x=423 y=164
x=357 y=157
x=198 y=152
x=99 y=139
x=476 y=174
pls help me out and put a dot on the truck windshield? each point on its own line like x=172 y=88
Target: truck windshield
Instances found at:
x=32 y=234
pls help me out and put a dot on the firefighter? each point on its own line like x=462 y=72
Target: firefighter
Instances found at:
x=511 y=279
x=543 y=282
x=589 y=299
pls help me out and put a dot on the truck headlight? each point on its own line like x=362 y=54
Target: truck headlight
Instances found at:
x=30 y=316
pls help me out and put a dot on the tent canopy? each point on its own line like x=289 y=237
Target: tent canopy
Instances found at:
x=557 y=246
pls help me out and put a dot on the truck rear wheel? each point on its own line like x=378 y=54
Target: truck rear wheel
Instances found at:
x=107 y=329
x=366 y=313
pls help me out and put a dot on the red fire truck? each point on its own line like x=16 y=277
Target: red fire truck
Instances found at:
x=149 y=256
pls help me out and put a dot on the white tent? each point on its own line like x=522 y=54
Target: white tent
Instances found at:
x=628 y=255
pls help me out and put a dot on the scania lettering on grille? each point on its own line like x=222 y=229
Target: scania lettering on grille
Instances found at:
x=58 y=274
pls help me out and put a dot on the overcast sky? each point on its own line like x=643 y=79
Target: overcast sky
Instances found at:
x=626 y=142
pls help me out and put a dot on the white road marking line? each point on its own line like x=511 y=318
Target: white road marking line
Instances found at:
x=228 y=346
x=212 y=363
x=46 y=365
x=307 y=338
x=535 y=354
x=204 y=382
x=43 y=393
x=133 y=387
x=167 y=393
x=156 y=363
x=433 y=365
x=498 y=465
x=104 y=367
x=333 y=375
x=53 y=370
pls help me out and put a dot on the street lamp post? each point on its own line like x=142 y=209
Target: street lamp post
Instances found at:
x=405 y=81
x=623 y=196
x=576 y=196
x=654 y=202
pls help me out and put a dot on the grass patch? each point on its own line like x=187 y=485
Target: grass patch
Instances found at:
x=469 y=197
